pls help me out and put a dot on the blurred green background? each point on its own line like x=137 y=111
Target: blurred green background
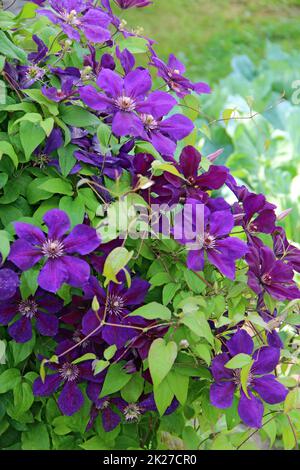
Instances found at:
x=206 y=33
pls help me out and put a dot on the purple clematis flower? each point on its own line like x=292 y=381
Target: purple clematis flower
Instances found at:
x=42 y=155
x=267 y=274
x=260 y=380
x=164 y=133
x=124 y=98
x=221 y=249
x=68 y=375
x=125 y=4
x=172 y=74
x=120 y=301
x=39 y=308
x=284 y=250
x=256 y=214
x=66 y=91
x=195 y=184
x=108 y=408
x=56 y=249
x=9 y=283
x=74 y=16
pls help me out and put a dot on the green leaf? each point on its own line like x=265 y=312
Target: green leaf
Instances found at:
x=78 y=117
x=193 y=281
x=115 y=379
x=163 y=396
x=152 y=311
x=238 y=361
x=110 y=352
x=198 y=324
x=21 y=351
x=37 y=95
x=161 y=359
x=47 y=125
x=4 y=244
x=74 y=208
x=7 y=149
x=104 y=136
x=85 y=357
x=31 y=135
x=244 y=377
x=57 y=185
x=8 y=49
x=36 y=437
x=23 y=397
x=179 y=385
x=94 y=443
x=9 y=379
x=203 y=351
x=292 y=401
x=100 y=366
x=114 y=263
x=133 y=390
x=2 y=352
x=134 y=44
x=29 y=283
x=169 y=292
x=66 y=158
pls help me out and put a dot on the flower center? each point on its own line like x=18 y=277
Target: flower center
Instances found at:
x=253 y=227
x=209 y=240
x=266 y=279
x=104 y=405
x=69 y=372
x=71 y=18
x=132 y=412
x=53 y=249
x=125 y=103
x=41 y=160
x=115 y=305
x=149 y=122
x=28 y=308
x=237 y=378
x=77 y=338
x=33 y=72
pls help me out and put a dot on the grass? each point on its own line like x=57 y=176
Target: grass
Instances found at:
x=207 y=33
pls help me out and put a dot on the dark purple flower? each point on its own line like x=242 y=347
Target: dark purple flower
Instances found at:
x=284 y=250
x=260 y=381
x=112 y=409
x=40 y=308
x=73 y=16
x=67 y=375
x=255 y=214
x=125 y=4
x=267 y=274
x=196 y=183
x=221 y=249
x=42 y=155
x=9 y=283
x=55 y=248
x=163 y=133
x=66 y=91
x=120 y=301
x=172 y=74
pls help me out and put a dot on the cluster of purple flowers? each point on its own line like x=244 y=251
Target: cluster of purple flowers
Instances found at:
x=119 y=93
